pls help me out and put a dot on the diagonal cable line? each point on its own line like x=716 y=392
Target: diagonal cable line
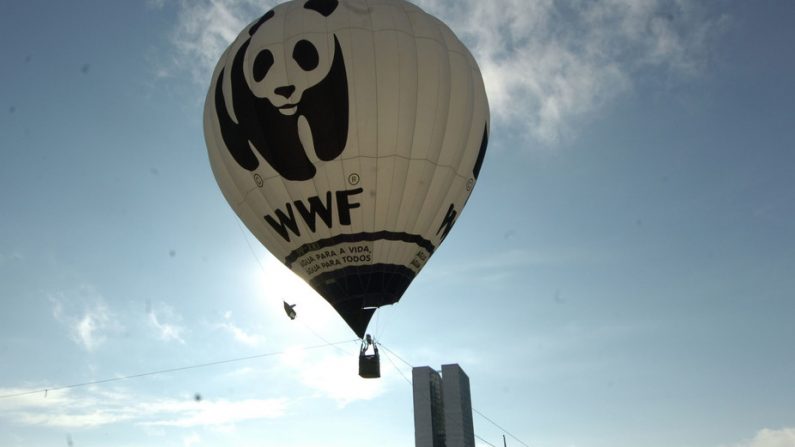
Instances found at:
x=389 y=357
x=396 y=356
x=484 y=441
x=166 y=371
x=498 y=426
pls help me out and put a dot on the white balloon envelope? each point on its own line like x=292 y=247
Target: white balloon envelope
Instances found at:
x=347 y=136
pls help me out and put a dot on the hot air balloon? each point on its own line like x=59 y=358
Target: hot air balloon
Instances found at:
x=348 y=135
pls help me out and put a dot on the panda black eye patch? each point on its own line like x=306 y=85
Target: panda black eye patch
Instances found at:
x=262 y=63
x=305 y=55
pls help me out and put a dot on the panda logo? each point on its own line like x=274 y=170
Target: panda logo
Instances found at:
x=290 y=98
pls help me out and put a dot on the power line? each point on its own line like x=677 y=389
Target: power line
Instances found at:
x=498 y=426
x=250 y=248
x=389 y=357
x=166 y=371
x=396 y=356
x=483 y=440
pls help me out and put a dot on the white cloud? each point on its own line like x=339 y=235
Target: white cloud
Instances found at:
x=333 y=374
x=546 y=64
x=498 y=266
x=766 y=437
x=337 y=377
x=239 y=334
x=88 y=331
x=62 y=409
x=75 y=420
x=203 y=30
x=86 y=316
x=164 y=322
x=191 y=440
x=223 y=413
x=70 y=409
x=323 y=375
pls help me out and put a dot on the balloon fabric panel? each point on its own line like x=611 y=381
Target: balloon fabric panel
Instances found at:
x=347 y=136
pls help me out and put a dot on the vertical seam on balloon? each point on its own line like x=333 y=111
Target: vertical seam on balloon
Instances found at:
x=377 y=160
x=390 y=248
x=359 y=147
x=370 y=29
x=354 y=93
x=455 y=165
x=353 y=109
x=354 y=101
x=393 y=251
x=428 y=159
x=375 y=78
x=442 y=144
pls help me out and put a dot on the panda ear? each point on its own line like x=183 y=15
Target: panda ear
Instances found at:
x=267 y=16
x=324 y=7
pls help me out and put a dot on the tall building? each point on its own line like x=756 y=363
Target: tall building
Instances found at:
x=458 y=428
x=442 y=408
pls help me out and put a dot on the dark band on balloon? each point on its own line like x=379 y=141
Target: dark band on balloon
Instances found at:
x=358 y=237
x=356 y=291
x=482 y=152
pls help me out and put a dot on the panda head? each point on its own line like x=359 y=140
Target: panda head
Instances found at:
x=281 y=70
x=279 y=84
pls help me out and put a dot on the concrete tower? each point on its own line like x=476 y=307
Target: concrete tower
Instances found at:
x=442 y=408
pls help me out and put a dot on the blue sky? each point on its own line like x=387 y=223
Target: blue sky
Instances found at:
x=622 y=275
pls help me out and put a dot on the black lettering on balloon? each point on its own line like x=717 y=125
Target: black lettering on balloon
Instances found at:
x=447 y=223
x=344 y=206
x=310 y=213
x=285 y=221
x=316 y=209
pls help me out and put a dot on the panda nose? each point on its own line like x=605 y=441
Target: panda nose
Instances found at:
x=285 y=91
